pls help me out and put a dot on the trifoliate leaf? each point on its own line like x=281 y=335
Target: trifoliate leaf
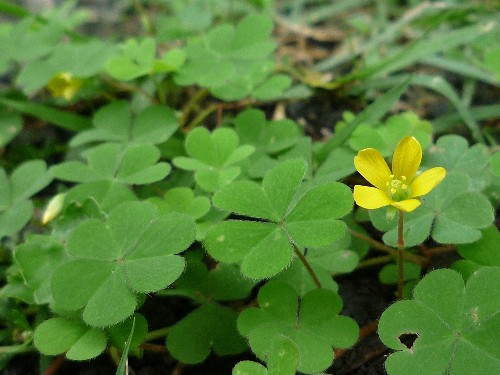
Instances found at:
x=212 y=157
x=312 y=325
x=82 y=60
x=268 y=137
x=456 y=325
x=211 y=326
x=113 y=123
x=59 y=335
x=184 y=201
x=451 y=213
x=452 y=153
x=136 y=60
x=485 y=251
x=133 y=252
x=234 y=62
x=265 y=248
x=38 y=258
x=15 y=208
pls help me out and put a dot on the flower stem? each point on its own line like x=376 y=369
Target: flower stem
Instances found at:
x=380 y=246
x=401 y=246
x=307 y=265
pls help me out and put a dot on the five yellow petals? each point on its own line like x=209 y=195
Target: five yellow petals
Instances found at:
x=399 y=187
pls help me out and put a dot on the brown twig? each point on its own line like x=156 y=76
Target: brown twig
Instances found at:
x=55 y=365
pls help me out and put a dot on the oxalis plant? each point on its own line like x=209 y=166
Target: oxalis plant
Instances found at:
x=171 y=186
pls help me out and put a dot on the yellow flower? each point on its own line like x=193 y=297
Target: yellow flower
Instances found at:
x=64 y=85
x=399 y=188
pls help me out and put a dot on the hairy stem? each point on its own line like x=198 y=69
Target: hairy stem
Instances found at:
x=401 y=246
x=307 y=265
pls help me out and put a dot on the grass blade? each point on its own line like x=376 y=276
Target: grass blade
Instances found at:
x=122 y=366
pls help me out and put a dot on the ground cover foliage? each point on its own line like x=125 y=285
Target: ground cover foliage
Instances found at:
x=183 y=187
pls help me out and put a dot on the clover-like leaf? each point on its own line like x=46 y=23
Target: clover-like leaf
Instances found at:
x=481 y=253
x=265 y=248
x=113 y=123
x=110 y=170
x=119 y=333
x=452 y=213
x=495 y=163
x=136 y=59
x=82 y=60
x=38 y=258
x=283 y=360
x=234 y=62
x=312 y=325
x=11 y=124
x=212 y=157
x=222 y=283
x=183 y=200
x=453 y=153
x=211 y=326
x=70 y=336
x=270 y=137
x=15 y=207
x=456 y=325
x=384 y=137
x=133 y=252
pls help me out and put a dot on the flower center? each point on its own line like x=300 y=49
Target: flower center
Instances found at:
x=398 y=190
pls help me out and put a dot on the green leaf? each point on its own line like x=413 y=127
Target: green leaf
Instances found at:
x=65 y=120
x=222 y=283
x=59 y=335
x=136 y=60
x=133 y=252
x=26 y=180
x=495 y=163
x=325 y=261
x=11 y=124
x=136 y=165
x=372 y=113
x=485 y=251
x=212 y=156
x=456 y=325
x=451 y=213
x=452 y=153
x=313 y=326
x=269 y=137
x=211 y=326
x=38 y=258
x=122 y=366
x=389 y=273
x=385 y=137
x=82 y=60
x=234 y=62
x=249 y=368
x=171 y=61
x=265 y=248
x=121 y=335
x=113 y=123
x=183 y=200
x=338 y=164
